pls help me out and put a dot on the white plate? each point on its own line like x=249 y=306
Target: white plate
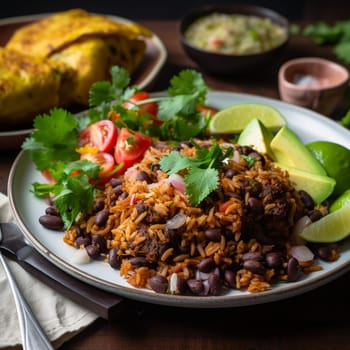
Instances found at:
x=143 y=77
x=27 y=209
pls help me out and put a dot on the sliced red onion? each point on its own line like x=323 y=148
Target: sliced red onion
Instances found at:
x=176 y=221
x=177 y=182
x=302 y=253
x=298 y=228
x=236 y=156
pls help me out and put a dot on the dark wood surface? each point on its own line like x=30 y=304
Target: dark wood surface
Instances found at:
x=318 y=319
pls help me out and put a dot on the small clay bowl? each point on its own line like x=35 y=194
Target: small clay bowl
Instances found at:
x=313 y=83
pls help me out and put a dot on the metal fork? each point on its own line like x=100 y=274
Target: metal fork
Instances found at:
x=33 y=336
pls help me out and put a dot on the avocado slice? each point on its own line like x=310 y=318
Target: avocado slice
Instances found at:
x=319 y=187
x=288 y=149
x=256 y=134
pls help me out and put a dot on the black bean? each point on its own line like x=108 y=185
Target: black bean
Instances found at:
x=115 y=181
x=256 y=206
x=114 y=259
x=158 y=283
x=52 y=211
x=196 y=286
x=324 y=252
x=293 y=269
x=230 y=278
x=51 y=222
x=141 y=207
x=99 y=205
x=215 y=284
x=82 y=241
x=254 y=266
x=252 y=256
x=213 y=234
x=139 y=261
x=274 y=260
x=101 y=217
x=123 y=195
x=306 y=199
x=315 y=215
x=143 y=176
x=79 y=231
x=230 y=173
x=181 y=285
x=206 y=265
x=93 y=251
x=99 y=241
x=155 y=167
x=118 y=190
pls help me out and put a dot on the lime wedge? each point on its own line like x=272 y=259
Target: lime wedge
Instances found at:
x=233 y=119
x=341 y=201
x=331 y=228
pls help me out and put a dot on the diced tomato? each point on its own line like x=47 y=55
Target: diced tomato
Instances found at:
x=103 y=159
x=207 y=110
x=101 y=135
x=223 y=206
x=130 y=148
x=151 y=107
x=47 y=175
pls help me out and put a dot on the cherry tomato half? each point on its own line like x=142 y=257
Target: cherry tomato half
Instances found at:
x=130 y=147
x=103 y=159
x=151 y=107
x=101 y=135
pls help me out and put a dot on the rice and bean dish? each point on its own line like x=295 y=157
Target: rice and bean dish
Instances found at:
x=239 y=237
x=146 y=189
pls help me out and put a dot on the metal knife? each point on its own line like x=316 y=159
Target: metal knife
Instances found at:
x=104 y=304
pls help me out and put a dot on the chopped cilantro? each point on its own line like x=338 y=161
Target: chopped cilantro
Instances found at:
x=250 y=160
x=72 y=194
x=202 y=172
x=55 y=138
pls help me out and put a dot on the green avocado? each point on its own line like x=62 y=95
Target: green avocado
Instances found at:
x=257 y=135
x=288 y=149
x=319 y=187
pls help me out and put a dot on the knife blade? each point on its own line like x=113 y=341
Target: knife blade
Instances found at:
x=104 y=304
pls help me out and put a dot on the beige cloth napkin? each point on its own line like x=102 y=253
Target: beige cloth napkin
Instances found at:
x=59 y=317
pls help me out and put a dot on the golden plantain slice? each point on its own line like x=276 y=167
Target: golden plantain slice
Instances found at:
x=86 y=43
x=28 y=86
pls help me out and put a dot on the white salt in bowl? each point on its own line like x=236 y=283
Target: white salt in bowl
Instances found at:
x=314 y=83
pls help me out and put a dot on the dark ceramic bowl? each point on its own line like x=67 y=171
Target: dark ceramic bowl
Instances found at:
x=231 y=64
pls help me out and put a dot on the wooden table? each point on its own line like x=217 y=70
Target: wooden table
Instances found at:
x=315 y=320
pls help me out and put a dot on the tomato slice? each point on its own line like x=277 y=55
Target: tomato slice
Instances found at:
x=150 y=108
x=130 y=147
x=101 y=135
x=103 y=159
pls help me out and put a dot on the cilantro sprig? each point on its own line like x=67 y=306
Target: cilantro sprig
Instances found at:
x=202 y=175
x=337 y=34
x=55 y=137
x=177 y=109
x=73 y=195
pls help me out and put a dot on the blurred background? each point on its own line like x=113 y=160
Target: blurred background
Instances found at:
x=163 y=9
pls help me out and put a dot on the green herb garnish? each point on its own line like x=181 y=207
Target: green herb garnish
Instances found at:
x=337 y=34
x=202 y=175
